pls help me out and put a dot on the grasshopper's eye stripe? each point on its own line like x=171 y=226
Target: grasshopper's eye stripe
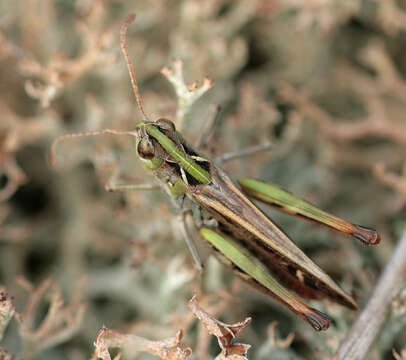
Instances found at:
x=188 y=164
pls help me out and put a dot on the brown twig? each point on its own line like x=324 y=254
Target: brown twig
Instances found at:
x=168 y=349
x=355 y=346
x=376 y=123
x=397 y=182
x=225 y=333
x=60 y=323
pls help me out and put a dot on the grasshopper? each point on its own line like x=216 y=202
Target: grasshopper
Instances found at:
x=242 y=236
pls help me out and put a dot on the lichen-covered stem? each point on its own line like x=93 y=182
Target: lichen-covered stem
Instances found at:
x=364 y=331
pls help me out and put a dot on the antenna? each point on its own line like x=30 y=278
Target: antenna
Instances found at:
x=52 y=150
x=123 y=33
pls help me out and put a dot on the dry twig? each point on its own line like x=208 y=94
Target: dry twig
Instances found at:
x=186 y=95
x=376 y=123
x=275 y=341
x=401 y=356
x=6 y=312
x=60 y=323
x=168 y=349
x=225 y=333
x=362 y=334
x=397 y=182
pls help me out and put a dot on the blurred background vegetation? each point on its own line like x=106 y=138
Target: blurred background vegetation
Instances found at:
x=324 y=80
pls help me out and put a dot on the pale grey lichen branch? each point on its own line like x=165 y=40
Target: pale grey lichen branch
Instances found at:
x=59 y=324
x=365 y=329
x=6 y=311
x=186 y=95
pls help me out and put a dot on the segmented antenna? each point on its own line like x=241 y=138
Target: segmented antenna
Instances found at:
x=52 y=150
x=123 y=33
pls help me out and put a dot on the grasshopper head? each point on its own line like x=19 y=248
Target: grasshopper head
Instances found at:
x=148 y=149
x=146 y=145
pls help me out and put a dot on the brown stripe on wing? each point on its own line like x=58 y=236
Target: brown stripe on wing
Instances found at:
x=318 y=320
x=226 y=203
x=290 y=204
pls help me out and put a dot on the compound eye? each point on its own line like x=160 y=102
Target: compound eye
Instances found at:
x=146 y=148
x=166 y=124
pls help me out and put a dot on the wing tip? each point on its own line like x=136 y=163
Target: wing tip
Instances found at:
x=318 y=320
x=366 y=235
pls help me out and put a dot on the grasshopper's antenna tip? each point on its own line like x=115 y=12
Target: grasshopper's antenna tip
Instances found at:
x=130 y=18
